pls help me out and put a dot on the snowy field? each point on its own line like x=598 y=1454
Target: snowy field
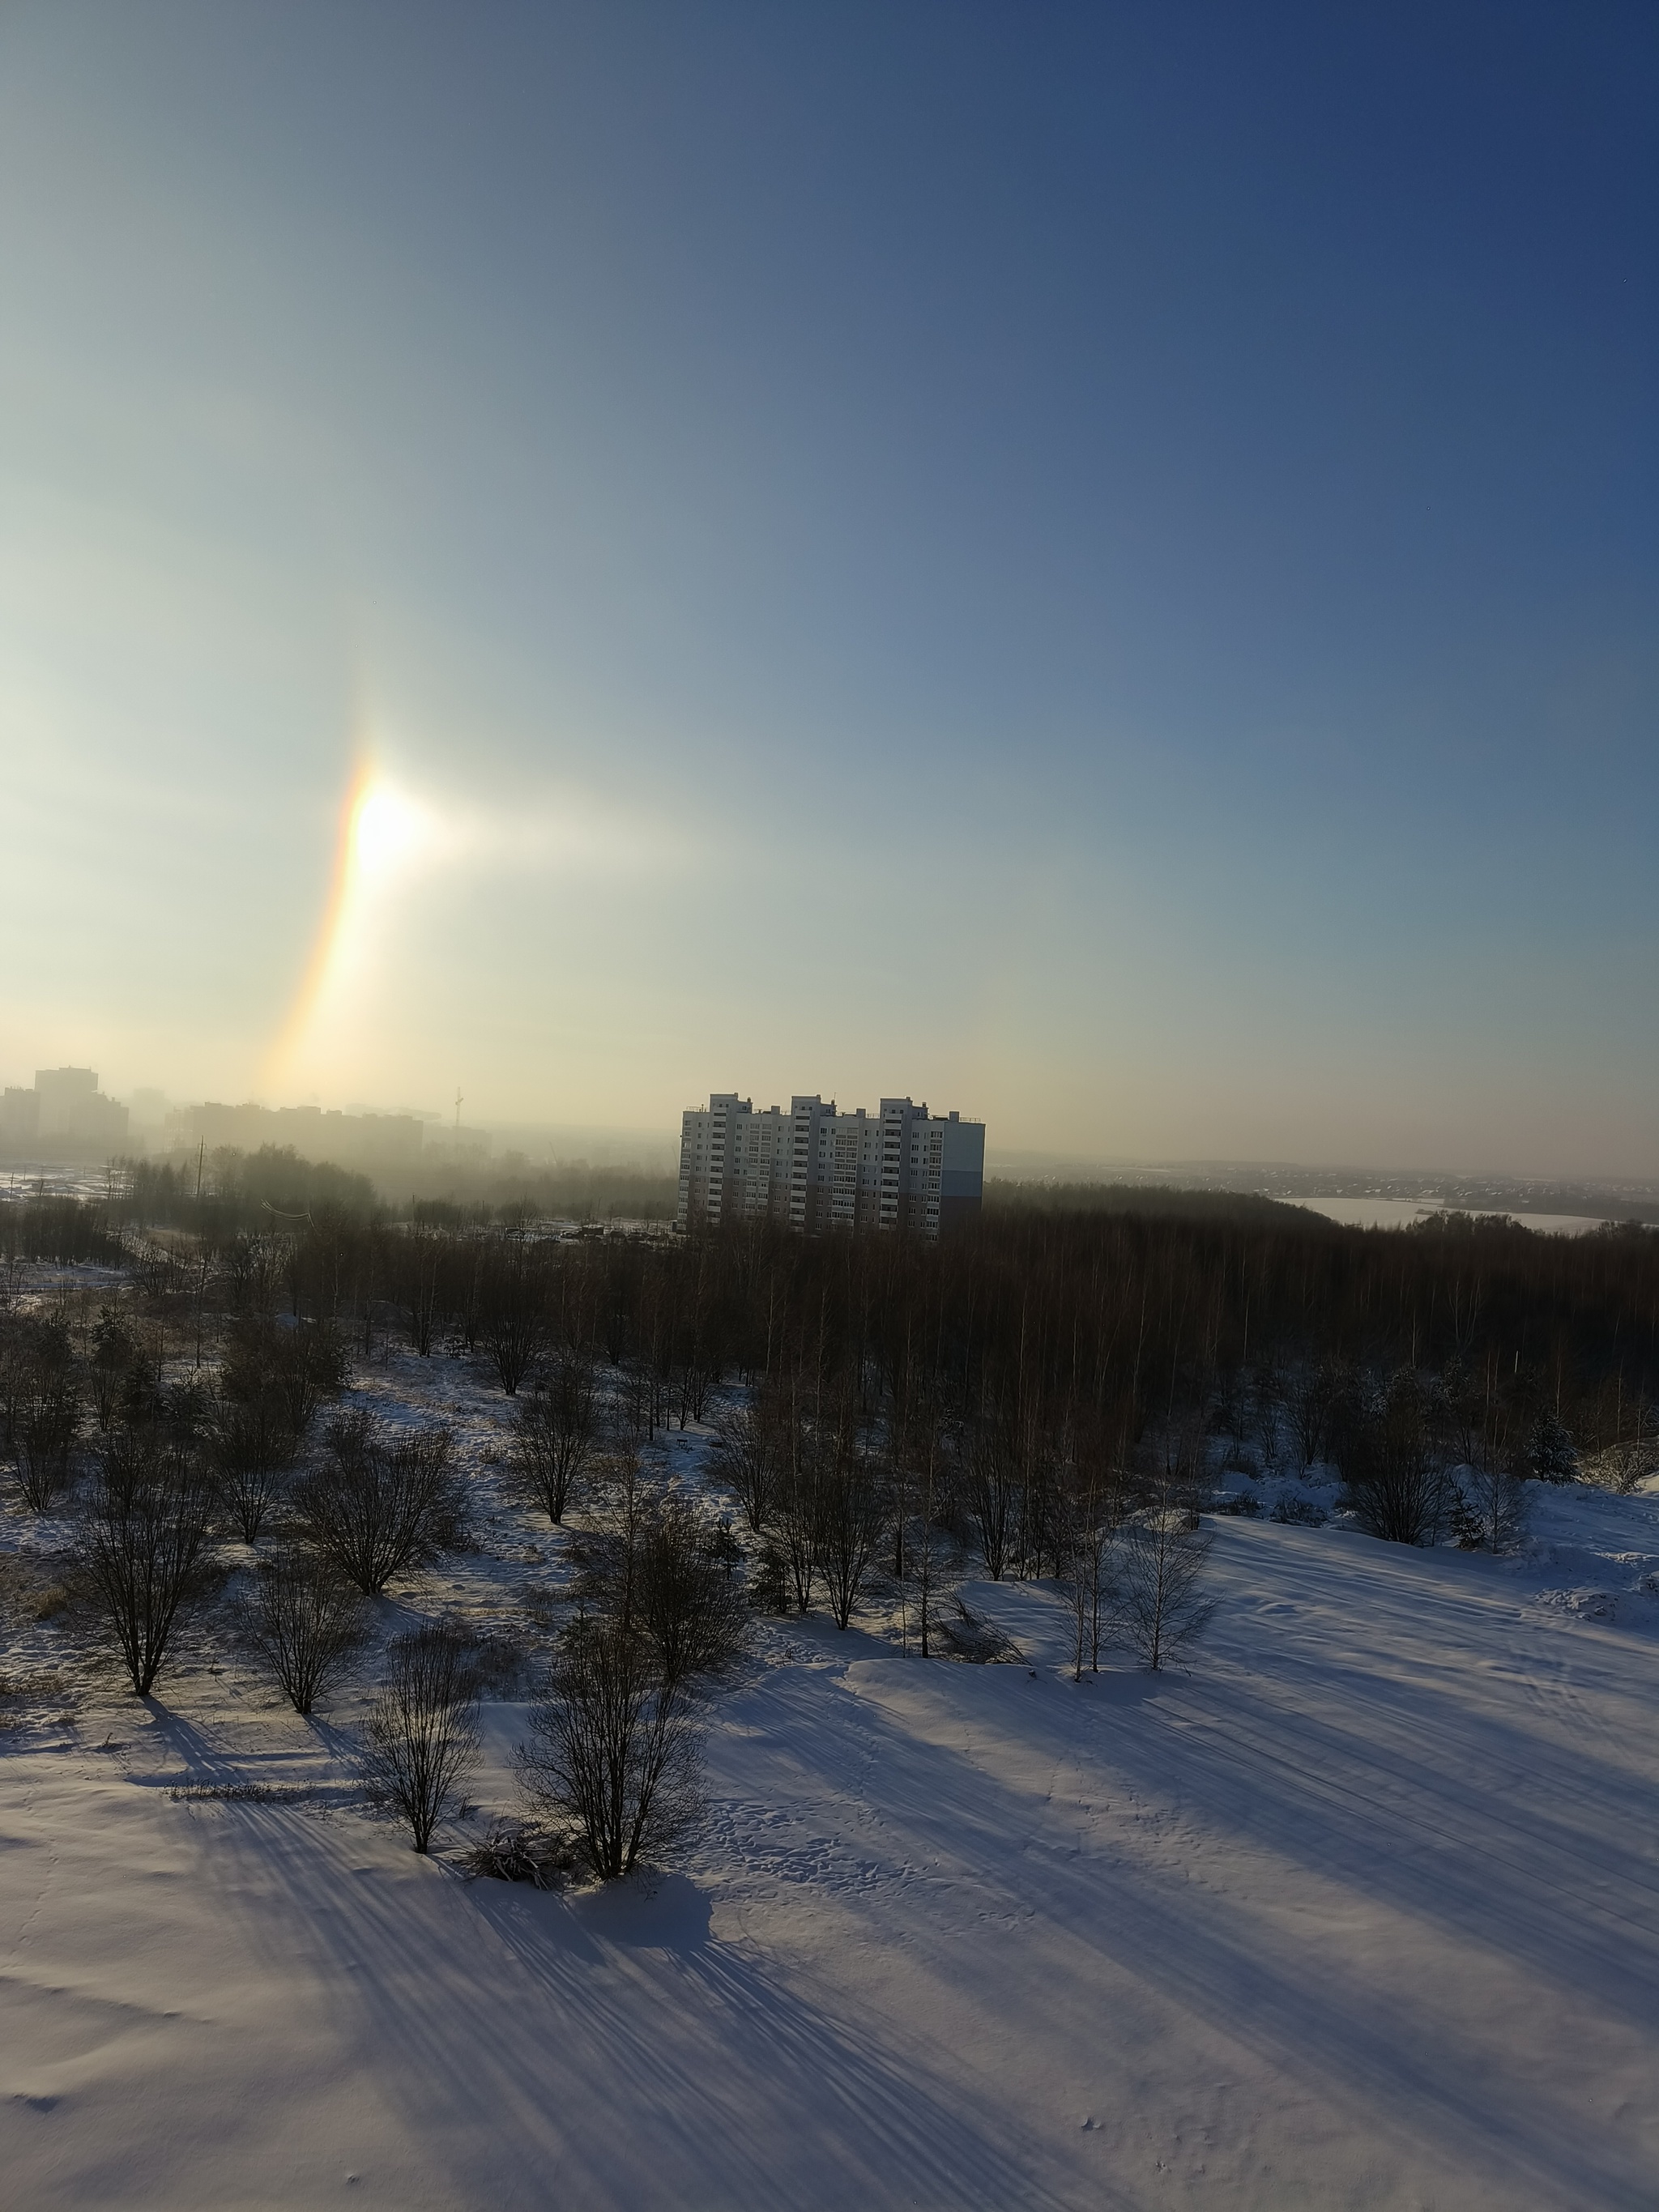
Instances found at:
x=1405 y=1212
x=1363 y=1910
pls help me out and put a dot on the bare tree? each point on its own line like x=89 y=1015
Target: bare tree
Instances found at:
x=1159 y=1606
x=1094 y=1509
x=1393 y=1468
x=555 y=1435
x=852 y=1516
x=657 y=1567
x=927 y=1547
x=140 y=1547
x=303 y=1622
x=420 y=1738
x=380 y=1504
x=747 y=1451
x=797 y=1523
x=1270 y=1409
x=421 y=1252
x=1312 y=1403
x=614 y=1749
x=991 y=1490
x=1492 y=1512
x=114 y=1351
x=685 y=1594
x=513 y=1312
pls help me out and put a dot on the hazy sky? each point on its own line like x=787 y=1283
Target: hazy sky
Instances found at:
x=1094 y=564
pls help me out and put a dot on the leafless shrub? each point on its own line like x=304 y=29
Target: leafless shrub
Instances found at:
x=1623 y=1467
x=303 y=1622
x=47 y=1424
x=968 y=1636
x=1270 y=1408
x=990 y=1487
x=518 y=1853
x=239 y=1793
x=421 y=1739
x=1394 y=1470
x=1312 y=1405
x=687 y=1597
x=35 y=1356
x=659 y=1568
x=251 y=1449
x=140 y=1547
x=748 y=1451
x=379 y=1504
x=497 y=1659
x=1291 y=1510
x=614 y=1750
x=555 y=1435
x=290 y=1369
x=790 y=1556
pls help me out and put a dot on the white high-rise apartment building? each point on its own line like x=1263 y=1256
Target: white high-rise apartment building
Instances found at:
x=817 y=1168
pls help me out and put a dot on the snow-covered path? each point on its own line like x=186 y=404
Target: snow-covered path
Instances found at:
x=1364 y=1912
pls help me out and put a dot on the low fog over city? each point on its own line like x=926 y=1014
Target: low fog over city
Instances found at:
x=828 y=1117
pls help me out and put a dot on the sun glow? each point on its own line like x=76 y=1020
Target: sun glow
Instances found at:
x=384 y=834
x=388 y=842
x=385 y=828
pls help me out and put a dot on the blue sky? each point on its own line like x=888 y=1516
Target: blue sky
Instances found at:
x=1094 y=564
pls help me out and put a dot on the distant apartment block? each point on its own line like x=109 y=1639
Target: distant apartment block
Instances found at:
x=383 y=1140
x=65 y=1116
x=817 y=1167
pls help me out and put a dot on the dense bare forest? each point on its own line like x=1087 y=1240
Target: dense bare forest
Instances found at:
x=1044 y=1356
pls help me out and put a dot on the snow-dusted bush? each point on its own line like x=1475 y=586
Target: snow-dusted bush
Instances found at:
x=1290 y=1508
x=1624 y=1468
x=420 y=1738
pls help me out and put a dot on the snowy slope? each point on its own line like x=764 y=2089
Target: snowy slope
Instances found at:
x=1362 y=1912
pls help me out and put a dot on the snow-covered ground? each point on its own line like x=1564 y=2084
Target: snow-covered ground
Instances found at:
x=1363 y=1910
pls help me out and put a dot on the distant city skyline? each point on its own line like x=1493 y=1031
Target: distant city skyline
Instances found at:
x=353 y=1133
x=1100 y=564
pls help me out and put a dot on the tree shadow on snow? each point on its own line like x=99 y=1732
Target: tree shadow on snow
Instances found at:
x=608 y=2050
